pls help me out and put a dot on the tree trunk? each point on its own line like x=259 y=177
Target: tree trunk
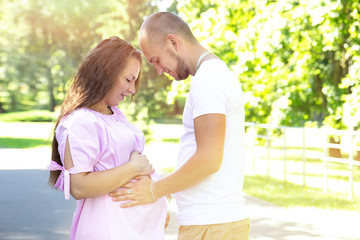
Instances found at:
x=13 y=100
x=318 y=89
x=52 y=102
x=1 y=108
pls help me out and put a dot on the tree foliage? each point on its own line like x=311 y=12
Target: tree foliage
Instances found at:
x=297 y=60
x=45 y=41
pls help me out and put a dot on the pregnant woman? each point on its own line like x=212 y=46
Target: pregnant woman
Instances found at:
x=96 y=150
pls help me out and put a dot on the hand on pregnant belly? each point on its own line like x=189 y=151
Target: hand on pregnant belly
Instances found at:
x=138 y=193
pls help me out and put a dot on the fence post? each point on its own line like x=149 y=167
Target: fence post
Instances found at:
x=351 y=171
x=284 y=155
x=325 y=160
x=253 y=139
x=304 y=156
x=268 y=151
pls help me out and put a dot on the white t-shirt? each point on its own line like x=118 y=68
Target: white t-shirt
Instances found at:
x=218 y=199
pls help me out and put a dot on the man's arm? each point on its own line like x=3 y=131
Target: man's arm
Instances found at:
x=210 y=138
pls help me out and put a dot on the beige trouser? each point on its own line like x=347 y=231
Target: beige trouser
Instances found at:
x=223 y=231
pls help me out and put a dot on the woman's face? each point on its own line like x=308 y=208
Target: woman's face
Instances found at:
x=124 y=84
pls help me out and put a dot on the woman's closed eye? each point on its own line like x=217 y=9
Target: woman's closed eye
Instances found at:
x=130 y=78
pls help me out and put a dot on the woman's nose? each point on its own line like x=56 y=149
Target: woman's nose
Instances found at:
x=132 y=89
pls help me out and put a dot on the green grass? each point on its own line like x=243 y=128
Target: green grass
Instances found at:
x=339 y=176
x=170 y=140
x=293 y=148
x=7 y=142
x=292 y=195
x=175 y=120
x=29 y=116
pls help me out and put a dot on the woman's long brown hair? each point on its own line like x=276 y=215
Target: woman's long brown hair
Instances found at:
x=93 y=80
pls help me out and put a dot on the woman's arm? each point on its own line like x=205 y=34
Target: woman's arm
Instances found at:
x=93 y=184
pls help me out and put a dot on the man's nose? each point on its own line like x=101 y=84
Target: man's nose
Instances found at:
x=159 y=69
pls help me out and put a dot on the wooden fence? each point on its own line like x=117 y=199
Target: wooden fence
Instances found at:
x=349 y=145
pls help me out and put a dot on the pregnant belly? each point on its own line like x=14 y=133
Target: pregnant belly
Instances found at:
x=101 y=218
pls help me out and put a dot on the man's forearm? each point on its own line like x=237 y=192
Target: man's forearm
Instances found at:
x=210 y=138
x=195 y=170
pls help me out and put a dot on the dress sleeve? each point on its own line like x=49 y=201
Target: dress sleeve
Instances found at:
x=84 y=135
x=84 y=142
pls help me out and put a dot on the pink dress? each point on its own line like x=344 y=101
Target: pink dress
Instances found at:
x=100 y=142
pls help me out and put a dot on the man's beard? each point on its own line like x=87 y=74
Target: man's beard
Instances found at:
x=182 y=71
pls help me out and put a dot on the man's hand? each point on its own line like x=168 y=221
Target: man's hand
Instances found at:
x=137 y=193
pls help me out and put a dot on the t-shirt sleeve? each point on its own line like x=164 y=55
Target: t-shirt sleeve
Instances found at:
x=208 y=95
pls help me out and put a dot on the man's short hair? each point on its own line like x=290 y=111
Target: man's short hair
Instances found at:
x=158 y=25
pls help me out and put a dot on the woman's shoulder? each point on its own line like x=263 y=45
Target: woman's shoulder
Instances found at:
x=81 y=116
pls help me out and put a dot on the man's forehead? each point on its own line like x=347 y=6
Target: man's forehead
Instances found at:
x=147 y=53
x=148 y=50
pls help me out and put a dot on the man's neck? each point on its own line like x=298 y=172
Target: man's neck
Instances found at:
x=192 y=54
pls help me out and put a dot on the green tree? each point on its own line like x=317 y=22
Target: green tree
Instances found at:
x=44 y=42
x=290 y=56
x=124 y=19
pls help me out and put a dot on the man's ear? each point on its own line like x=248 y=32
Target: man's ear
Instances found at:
x=173 y=41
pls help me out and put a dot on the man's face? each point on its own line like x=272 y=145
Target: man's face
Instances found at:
x=165 y=60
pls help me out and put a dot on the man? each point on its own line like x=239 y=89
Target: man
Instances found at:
x=210 y=171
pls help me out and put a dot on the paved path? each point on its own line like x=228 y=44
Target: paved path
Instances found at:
x=29 y=209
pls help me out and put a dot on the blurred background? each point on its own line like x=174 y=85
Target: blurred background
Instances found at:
x=298 y=62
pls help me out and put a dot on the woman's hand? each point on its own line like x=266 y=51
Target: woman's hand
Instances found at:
x=141 y=164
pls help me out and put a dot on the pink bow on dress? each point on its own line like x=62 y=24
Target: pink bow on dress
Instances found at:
x=63 y=182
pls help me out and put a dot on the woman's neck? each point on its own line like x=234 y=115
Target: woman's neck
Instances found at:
x=102 y=108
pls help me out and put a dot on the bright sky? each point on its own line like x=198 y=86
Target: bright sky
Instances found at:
x=163 y=4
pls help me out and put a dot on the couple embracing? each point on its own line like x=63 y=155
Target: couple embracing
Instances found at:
x=96 y=151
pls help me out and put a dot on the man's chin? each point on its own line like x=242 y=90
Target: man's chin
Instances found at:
x=180 y=78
